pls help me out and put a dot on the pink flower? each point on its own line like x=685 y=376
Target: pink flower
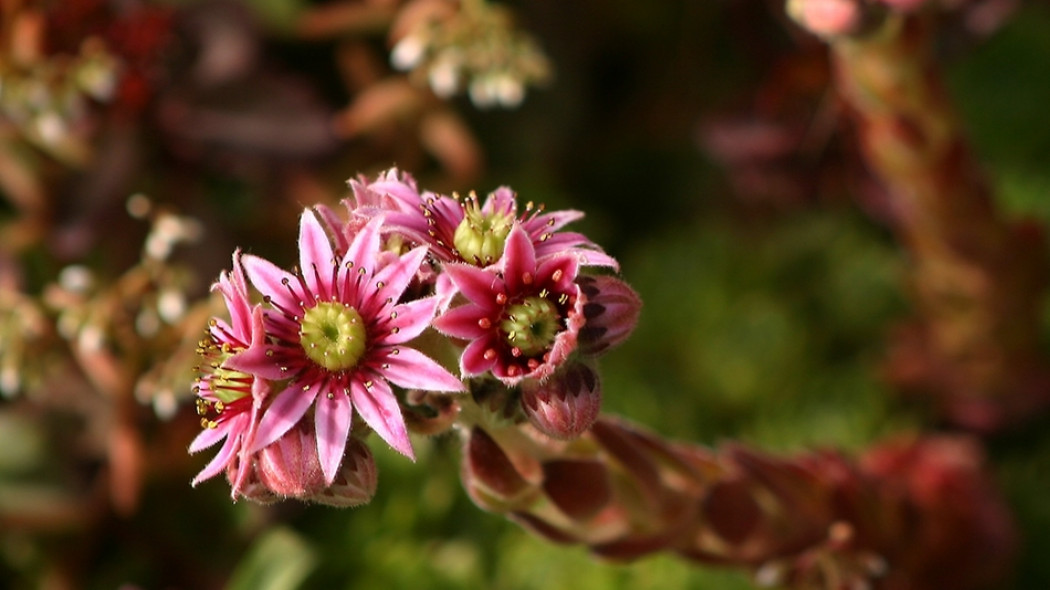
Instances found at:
x=228 y=400
x=464 y=230
x=522 y=320
x=391 y=191
x=335 y=335
x=828 y=18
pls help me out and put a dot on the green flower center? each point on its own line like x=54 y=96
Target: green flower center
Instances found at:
x=333 y=335
x=480 y=237
x=530 y=326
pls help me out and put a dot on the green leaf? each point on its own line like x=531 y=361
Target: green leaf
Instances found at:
x=279 y=560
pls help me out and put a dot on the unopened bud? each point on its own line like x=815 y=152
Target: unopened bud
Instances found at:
x=290 y=466
x=245 y=484
x=565 y=405
x=731 y=510
x=489 y=476
x=355 y=482
x=610 y=314
x=580 y=488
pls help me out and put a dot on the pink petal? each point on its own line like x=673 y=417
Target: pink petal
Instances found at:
x=411 y=223
x=462 y=322
x=396 y=184
x=477 y=285
x=247 y=438
x=552 y=222
x=378 y=407
x=473 y=361
x=333 y=228
x=271 y=281
x=234 y=292
x=446 y=211
x=287 y=408
x=444 y=290
x=587 y=252
x=255 y=359
x=404 y=193
x=220 y=330
x=332 y=422
x=519 y=260
x=564 y=266
x=412 y=369
x=217 y=463
x=207 y=438
x=564 y=240
x=363 y=249
x=412 y=319
x=500 y=200
x=396 y=277
x=315 y=255
x=589 y=257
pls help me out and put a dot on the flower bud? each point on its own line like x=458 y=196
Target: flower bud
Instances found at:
x=580 y=488
x=355 y=482
x=245 y=484
x=290 y=466
x=610 y=313
x=565 y=405
x=489 y=476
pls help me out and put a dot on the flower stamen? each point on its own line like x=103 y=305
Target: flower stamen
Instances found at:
x=480 y=237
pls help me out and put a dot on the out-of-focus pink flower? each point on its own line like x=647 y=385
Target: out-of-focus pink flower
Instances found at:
x=392 y=191
x=228 y=400
x=827 y=18
x=335 y=335
x=522 y=319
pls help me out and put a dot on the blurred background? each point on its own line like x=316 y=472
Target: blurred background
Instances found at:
x=142 y=141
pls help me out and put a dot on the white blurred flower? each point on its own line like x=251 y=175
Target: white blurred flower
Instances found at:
x=509 y=90
x=408 y=52
x=171 y=305
x=76 y=278
x=444 y=73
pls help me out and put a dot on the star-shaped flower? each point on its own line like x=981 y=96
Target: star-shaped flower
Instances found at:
x=336 y=330
x=467 y=230
x=228 y=400
x=521 y=320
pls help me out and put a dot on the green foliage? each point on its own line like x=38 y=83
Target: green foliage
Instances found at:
x=279 y=560
x=770 y=334
x=1002 y=89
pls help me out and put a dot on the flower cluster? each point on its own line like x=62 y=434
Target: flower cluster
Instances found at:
x=467 y=44
x=314 y=358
